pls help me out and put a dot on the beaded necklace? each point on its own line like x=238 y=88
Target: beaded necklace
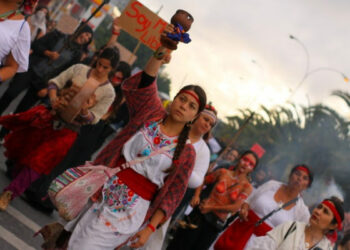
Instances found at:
x=7 y=15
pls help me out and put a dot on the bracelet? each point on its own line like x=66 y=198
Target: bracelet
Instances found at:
x=149 y=225
x=159 y=54
x=116 y=33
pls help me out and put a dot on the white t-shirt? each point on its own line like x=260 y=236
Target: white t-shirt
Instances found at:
x=201 y=164
x=15 y=38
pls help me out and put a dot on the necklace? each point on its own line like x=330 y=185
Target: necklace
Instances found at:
x=9 y=14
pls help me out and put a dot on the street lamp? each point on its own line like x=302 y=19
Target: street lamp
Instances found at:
x=306 y=53
x=310 y=72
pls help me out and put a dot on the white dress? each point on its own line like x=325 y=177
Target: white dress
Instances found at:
x=277 y=239
x=261 y=201
x=121 y=213
x=15 y=38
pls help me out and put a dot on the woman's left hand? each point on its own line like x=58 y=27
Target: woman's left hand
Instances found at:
x=141 y=238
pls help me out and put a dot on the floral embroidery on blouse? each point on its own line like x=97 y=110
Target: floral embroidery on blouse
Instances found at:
x=155 y=138
x=118 y=196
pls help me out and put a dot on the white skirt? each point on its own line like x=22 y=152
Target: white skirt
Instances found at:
x=108 y=224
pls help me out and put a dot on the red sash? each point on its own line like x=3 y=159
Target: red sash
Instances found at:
x=138 y=183
x=237 y=235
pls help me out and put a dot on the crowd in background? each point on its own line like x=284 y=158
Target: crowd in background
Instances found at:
x=200 y=193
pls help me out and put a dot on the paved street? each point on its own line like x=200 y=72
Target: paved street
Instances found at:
x=20 y=221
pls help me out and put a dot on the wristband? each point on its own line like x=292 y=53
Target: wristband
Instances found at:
x=151 y=227
x=159 y=54
x=117 y=33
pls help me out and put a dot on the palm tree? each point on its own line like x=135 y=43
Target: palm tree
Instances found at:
x=315 y=135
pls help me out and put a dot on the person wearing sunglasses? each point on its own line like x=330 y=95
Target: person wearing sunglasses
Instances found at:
x=325 y=219
x=269 y=196
x=231 y=188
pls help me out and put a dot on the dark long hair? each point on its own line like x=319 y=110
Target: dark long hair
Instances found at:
x=112 y=55
x=186 y=129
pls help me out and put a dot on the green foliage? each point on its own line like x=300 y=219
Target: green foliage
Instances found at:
x=315 y=135
x=143 y=53
x=85 y=3
x=163 y=83
x=103 y=32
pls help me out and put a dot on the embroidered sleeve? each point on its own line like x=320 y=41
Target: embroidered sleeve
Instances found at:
x=141 y=101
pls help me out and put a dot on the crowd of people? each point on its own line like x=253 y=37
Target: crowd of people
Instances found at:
x=173 y=186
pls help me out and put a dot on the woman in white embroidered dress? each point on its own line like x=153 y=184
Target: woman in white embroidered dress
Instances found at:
x=201 y=127
x=325 y=219
x=138 y=199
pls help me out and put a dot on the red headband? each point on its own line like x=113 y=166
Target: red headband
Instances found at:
x=191 y=94
x=335 y=212
x=304 y=169
x=210 y=107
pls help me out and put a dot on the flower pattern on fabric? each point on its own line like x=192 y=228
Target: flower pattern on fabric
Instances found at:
x=157 y=139
x=118 y=196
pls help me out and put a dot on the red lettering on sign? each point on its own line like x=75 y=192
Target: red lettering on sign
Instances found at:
x=134 y=7
x=141 y=19
x=143 y=37
x=162 y=25
x=155 y=43
x=143 y=24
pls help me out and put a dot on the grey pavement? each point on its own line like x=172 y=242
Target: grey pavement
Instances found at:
x=20 y=221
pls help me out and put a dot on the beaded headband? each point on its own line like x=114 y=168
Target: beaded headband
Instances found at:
x=211 y=114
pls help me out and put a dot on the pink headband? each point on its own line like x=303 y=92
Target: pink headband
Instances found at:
x=191 y=94
x=335 y=212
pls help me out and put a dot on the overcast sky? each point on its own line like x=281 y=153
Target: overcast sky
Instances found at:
x=241 y=53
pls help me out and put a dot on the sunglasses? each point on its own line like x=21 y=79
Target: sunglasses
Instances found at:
x=248 y=161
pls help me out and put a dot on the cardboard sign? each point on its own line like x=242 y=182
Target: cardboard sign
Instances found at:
x=259 y=150
x=74 y=106
x=143 y=24
x=125 y=54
